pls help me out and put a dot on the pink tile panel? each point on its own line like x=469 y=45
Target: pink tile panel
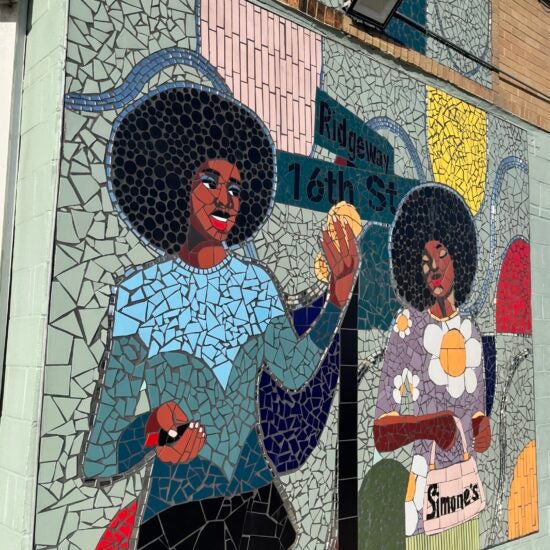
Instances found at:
x=273 y=67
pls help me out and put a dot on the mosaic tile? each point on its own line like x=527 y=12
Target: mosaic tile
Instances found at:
x=406 y=34
x=457 y=141
x=214 y=349
x=465 y=24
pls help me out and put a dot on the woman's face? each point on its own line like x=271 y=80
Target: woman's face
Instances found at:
x=438 y=269
x=215 y=202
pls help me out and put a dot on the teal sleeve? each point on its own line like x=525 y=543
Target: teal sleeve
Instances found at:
x=293 y=360
x=116 y=407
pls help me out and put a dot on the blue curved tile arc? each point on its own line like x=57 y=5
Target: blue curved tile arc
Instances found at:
x=144 y=70
x=485 y=54
x=505 y=165
x=386 y=123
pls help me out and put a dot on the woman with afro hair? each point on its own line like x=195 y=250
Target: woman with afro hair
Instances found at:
x=433 y=358
x=192 y=172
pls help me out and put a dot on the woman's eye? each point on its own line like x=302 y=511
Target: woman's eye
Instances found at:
x=443 y=253
x=234 y=190
x=209 y=182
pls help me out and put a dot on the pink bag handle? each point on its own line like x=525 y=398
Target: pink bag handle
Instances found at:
x=464 y=443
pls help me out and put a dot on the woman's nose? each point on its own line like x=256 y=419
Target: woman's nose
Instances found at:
x=434 y=265
x=223 y=195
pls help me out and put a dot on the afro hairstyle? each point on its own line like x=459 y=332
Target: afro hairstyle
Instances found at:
x=157 y=146
x=432 y=212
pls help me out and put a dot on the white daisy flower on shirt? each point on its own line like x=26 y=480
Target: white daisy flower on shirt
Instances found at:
x=403 y=323
x=406 y=381
x=455 y=355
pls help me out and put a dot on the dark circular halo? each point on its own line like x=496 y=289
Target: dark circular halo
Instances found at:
x=157 y=145
x=432 y=212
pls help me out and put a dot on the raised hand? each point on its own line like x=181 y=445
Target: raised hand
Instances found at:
x=343 y=260
x=169 y=417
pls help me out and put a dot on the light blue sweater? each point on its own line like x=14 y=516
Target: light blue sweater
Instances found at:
x=198 y=337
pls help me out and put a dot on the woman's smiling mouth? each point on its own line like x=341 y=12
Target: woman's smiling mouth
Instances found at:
x=219 y=218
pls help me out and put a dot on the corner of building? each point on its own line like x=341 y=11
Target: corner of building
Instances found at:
x=36 y=179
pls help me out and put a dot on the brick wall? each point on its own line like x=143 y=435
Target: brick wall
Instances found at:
x=520 y=44
x=521 y=41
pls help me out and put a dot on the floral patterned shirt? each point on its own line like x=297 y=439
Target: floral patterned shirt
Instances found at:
x=435 y=365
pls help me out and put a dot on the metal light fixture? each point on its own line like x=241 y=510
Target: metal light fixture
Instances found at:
x=376 y=13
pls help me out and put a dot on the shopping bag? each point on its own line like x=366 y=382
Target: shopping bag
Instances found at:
x=454 y=494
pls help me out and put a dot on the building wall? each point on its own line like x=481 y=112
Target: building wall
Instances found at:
x=519 y=46
x=274 y=62
x=464 y=24
x=8 y=18
x=38 y=175
x=522 y=30
x=539 y=163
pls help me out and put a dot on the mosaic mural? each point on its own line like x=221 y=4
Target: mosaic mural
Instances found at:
x=290 y=305
x=462 y=30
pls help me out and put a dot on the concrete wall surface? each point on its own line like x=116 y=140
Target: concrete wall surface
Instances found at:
x=34 y=227
x=8 y=20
